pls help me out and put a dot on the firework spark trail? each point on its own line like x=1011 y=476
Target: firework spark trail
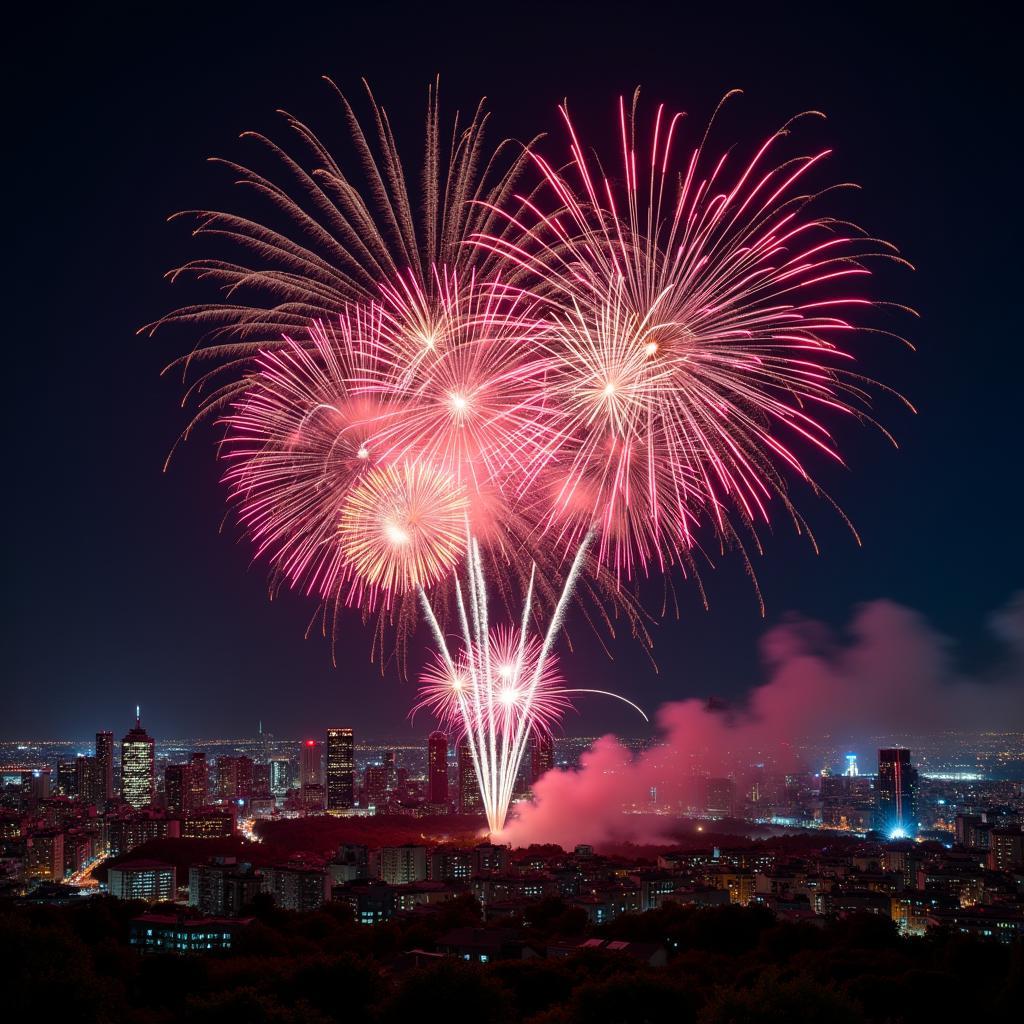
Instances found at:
x=489 y=395
x=686 y=329
x=504 y=688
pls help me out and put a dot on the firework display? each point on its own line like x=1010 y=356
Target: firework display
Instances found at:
x=696 y=320
x=523 y=390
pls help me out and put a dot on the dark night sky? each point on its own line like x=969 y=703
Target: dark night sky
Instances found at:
x=121 y=587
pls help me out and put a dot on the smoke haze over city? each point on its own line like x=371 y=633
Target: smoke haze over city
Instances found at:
x=888 y=674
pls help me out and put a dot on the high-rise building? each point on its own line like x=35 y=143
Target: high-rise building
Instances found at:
x=44 y=856
x=446 y=864
x=351 y=863
x=234 y=777
x=437 y=768
x=490 y=859
x=389 y=766
x=79 y=847
x=721 y=797
x=222 y=887
x=469 y=790
x=126 y=831
x=33 y=783
x=310 y=764
x=852 y=771
x=149 y=880
x=280 y=775
x=261 y=781
x=896 y=792
x=376 y=784
x=67 y=778
x=399 y=865
x=1006 y=849
x=105 y=765
x=138 y=766
x=86 y=780
x=340 y=769
x=542 y=755
x=178 y=788
x=311 y=775
x=198 y=780
x=297 y=887
x=313 y=798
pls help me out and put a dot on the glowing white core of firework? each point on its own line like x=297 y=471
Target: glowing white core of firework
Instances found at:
x=395 y=534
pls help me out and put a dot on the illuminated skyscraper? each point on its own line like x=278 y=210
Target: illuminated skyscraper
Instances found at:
x=44 y=858
x=437 y=768
x=376 y=785
x=542 y=756
x=149 y=880
x=311 y=775
x=67 y=778
x=234 y=777
x=340 y=769
x=280 y=775
x=138 y=765
x=85 y=779
x=851 y=766
x=261 y=780
x=105 y=765
x=178 y=788
x=310 y=764
x=469 y=789
x=197 y=780
x=896 y=792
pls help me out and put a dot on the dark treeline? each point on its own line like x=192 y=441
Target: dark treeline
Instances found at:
x=728 y=965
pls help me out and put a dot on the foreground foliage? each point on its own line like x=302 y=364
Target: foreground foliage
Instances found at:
x=728 y=965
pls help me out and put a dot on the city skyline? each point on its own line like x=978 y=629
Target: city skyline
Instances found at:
x=510 y=511
x=208 y=631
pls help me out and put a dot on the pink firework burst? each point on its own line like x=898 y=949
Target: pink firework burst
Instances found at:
x=496 y=683
x=402 y=528
x=330 y=428
x=697 y=316
x=464 y=376
x=298 y=440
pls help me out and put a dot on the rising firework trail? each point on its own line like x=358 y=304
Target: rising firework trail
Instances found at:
x=533 y=394
x=372 y=464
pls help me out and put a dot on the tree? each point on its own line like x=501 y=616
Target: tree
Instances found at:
x=776 y=1001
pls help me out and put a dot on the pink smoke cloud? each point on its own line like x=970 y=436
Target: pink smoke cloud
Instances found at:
x=891 y=673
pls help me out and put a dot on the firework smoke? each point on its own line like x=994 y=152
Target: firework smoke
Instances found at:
x=889 y=675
